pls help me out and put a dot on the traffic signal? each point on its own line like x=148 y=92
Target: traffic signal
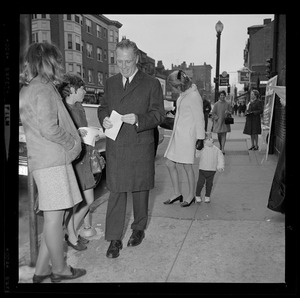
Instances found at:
x=269 y=68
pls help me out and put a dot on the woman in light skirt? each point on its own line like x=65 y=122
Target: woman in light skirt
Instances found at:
x=52 y=144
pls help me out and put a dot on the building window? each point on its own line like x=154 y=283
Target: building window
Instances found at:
x=77 y=19
x=90 y=76
x=89 y=50
x=104 y=33
x=69 y=17
x=34 y=16
x=78 y=69
x=44 y=16
x=35 y=37
x=70 y=42
x=77 y=43
x=98 y=31
x=44 y=36
x=105 y=55
x=116 y=36
x=112 y=58
x=99 y=54
x=111 y=35
x=70 y=67
x=100 y=78
x=88 y=26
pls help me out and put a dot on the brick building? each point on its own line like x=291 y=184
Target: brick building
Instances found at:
x=258 y=49
x=87 y=43
x=269 y=41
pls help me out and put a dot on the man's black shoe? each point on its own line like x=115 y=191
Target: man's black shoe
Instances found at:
x=136 y=238
x=114 y=248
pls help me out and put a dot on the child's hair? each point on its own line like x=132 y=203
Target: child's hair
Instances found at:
x=73 y=80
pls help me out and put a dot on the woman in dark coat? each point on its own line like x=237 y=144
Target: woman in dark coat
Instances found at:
x=253 y=122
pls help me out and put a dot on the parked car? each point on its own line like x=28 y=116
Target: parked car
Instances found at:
x=92 y=118
x=170 y=111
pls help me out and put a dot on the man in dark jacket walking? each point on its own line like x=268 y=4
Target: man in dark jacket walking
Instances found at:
x=206 y=110
x=138 y=97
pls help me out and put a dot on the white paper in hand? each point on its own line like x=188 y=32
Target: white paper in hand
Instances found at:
x=115 y=118
x=90 y=137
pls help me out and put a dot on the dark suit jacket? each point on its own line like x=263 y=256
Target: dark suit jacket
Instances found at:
x=130 y=158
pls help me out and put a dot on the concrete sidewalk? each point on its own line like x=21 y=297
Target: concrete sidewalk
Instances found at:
x=234 y=239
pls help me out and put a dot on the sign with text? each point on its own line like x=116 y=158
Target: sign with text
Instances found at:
x=243 y=76
x=224 y=79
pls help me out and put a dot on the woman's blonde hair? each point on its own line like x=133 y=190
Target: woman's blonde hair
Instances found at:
x=179 y=78
x=42 y=59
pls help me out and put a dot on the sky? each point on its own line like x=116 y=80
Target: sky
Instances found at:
x=174 y=39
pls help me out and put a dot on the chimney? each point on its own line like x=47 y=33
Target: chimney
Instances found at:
x=267 y=21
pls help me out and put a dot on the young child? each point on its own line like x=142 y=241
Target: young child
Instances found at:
x=211 y=160
x=85 y=178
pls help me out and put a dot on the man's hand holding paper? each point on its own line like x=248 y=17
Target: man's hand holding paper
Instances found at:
x=112 y=125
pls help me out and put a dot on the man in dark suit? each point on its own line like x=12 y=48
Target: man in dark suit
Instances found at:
x=206 y=110
x=138 y=97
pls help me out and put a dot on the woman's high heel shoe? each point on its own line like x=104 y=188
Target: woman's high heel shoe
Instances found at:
x=186 y=204
x=179 y=198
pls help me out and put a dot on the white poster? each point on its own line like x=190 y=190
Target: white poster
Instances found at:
x=268 y=111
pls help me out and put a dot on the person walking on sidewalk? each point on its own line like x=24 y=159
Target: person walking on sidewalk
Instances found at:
x=53 y=143
x=211 y=160
x=138 y=97
x=187 y=131
x=220 y=110
x=253 y=121
x=82 y=166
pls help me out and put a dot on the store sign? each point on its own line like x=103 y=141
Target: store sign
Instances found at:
x=243 y=76
x=224 y=79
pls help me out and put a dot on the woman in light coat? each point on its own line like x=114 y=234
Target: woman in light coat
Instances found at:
x=188 y=128
x=220 y=110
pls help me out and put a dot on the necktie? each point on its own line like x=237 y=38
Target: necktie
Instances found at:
x=126 y=83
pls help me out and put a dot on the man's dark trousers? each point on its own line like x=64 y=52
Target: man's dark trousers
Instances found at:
x=116 y=213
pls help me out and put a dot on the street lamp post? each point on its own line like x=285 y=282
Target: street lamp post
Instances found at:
x=219 y=28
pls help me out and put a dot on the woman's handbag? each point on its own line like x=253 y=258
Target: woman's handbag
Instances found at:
x=229 y=119
x=97 y=162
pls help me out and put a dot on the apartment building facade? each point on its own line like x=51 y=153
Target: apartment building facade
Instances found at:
x=87 y=43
